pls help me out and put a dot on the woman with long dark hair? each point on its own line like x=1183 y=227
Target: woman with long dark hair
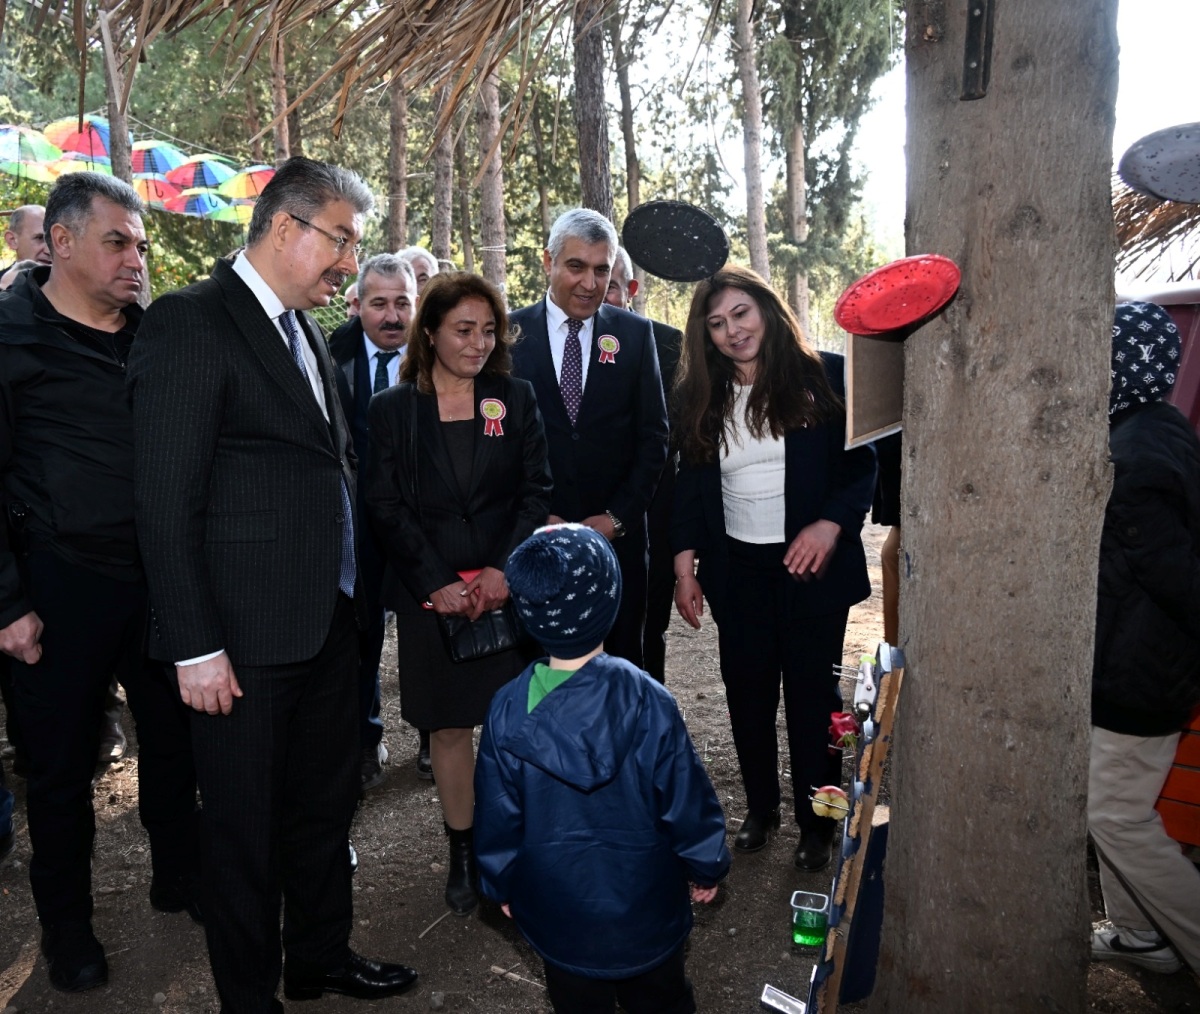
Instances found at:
x=458 y=479
x=770 y=504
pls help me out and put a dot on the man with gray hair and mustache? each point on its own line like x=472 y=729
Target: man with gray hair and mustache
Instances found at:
x=245 y=492
x=367 y=350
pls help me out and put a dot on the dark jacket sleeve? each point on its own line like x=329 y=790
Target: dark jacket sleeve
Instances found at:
x=13 y=602
x=688 y=528
x=177 y=379
x=499 y=816
x=534 y=502
x=631 y=499
x=389 y=497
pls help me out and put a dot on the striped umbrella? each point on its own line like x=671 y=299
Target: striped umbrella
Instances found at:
x=28 y=171
x=24 y=144
x=197 y=201
x=155 y=189
x=247 y=183
x=77 y=162
x=240 y=213
x=156 y=157
x=201 y=171
x=93 y=139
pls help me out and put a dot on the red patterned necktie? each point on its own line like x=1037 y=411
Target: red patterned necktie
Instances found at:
x=570 y=383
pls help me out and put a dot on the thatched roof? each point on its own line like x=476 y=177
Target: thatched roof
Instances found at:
x=1152 y=233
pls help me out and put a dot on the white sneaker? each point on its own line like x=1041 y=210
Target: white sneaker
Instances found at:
x=1143 y=948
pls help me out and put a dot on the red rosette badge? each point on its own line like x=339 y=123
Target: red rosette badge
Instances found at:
x=493 y=411
x=609 y=347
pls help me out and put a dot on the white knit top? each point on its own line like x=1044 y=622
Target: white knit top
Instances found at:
x=752 y=472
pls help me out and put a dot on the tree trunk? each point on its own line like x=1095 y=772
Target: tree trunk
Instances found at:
x=397 y=165
x=539 y=150
x=466 y=224
x=443 y=188
x=797 y=208
x=591 y=111
x=120 y=152
x=752 y=120
x=1005 y=483
x=279 y=98
x=253 y=122
x=491 y=197
x=633 y=170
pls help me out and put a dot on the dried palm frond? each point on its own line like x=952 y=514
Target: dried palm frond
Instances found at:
x=1153 y=233
x=436 y=44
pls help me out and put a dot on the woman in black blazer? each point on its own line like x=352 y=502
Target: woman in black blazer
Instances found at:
x=458 y=479
x=770 y=503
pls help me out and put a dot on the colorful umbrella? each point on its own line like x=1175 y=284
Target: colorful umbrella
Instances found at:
x=77 y=162
x=156 y=157
x=200 y=171
x=28 y=171
x=240 y=213
x=247 y=183
x=154 y=188
x=24 y=144
x=91 y=140
x=197 y=201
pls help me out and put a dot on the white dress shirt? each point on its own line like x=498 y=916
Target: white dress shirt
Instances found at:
x=393 y=364
x=556 y=329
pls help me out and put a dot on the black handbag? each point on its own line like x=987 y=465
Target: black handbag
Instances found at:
x=496 y=630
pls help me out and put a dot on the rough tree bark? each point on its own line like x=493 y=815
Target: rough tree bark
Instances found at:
x=539 y=150
x=443 y=188
x=397 y=164
x=1005 y=482
x=491 y=196
x=466 y=225
x=120 y=151
x=279 y=97
x=591 y=111
x=745 y=55
x=797 y=211
x=253 y=122
x=633 y=169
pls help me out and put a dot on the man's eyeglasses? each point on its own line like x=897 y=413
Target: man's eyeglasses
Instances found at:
x=338 y=241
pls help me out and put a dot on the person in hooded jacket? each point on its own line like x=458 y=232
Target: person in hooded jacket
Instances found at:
x=1146 y=677
x=595 y=821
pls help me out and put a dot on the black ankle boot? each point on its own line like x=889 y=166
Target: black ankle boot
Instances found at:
x=461 y=885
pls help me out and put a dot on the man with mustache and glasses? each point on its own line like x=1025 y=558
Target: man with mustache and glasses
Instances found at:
x=367 y=350
x=245 y=488
x=72 y=592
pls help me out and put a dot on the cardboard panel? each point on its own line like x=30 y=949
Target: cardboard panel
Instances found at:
x=874 y=388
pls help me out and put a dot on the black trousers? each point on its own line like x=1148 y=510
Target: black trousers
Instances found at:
x=664 y=989
x=94 y=627
x=763 y=641
x=625 y=638
x=279 y=779
x=660 y=585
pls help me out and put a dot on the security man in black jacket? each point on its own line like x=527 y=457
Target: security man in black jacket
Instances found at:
x=73 y=602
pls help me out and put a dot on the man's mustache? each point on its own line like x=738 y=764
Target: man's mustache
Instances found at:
x=393 y=325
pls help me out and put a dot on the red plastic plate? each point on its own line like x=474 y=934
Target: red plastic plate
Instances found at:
x=897 y=295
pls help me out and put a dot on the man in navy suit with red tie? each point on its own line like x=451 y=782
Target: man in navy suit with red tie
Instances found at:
x=595 y=373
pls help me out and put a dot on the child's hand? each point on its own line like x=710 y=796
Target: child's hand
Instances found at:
x=703 y=894
x=504 y=909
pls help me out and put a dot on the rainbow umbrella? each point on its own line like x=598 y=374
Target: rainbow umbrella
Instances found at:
x=247 y=183
x=240 y=213
x=93 y=139
x=154 y=188
x=77 y=162
x=156 y=157
x=197 y=201
x=24 y=144
x=28 y=171
x=200 y=171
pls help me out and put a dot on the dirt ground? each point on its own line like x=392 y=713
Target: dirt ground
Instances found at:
x=158 y=962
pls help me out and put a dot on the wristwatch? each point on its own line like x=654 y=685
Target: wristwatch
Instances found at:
x=617 y=523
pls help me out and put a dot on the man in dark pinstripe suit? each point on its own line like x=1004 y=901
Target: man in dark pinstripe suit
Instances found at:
x=244 y=491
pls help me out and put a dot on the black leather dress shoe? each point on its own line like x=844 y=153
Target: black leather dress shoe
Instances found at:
x=358 y=977
x=753 y=833
x=74 y=956
x=179 y=895
x=816 y=847
x=424 y=764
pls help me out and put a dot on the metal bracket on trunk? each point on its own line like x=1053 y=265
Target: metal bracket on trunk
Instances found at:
x=977 y=52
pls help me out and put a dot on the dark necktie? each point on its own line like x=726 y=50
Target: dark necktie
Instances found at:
x=381 y=371
x=346 y=576
x=570 y=382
